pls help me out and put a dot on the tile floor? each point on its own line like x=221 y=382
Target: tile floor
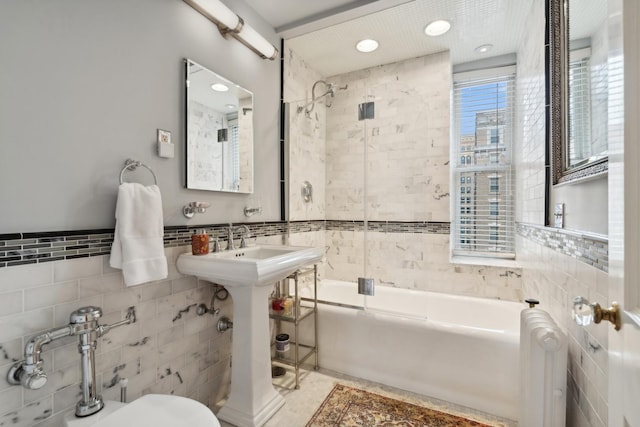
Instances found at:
x=315 y=386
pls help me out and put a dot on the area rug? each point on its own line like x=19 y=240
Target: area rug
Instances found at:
x=347 y=407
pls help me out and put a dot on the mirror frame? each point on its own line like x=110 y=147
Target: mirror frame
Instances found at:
x=187 y=66
x=558 y=90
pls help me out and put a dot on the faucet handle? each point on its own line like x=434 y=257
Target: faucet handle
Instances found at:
x=30 y=376
x=215 y=244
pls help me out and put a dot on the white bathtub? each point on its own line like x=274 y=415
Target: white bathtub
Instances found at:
x=459 y=349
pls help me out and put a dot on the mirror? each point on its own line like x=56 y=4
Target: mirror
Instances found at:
x=579 y=77
x=219 y=126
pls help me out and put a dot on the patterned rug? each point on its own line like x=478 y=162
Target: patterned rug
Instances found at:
x=347 y=407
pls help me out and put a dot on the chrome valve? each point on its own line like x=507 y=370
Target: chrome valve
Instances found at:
x=83 y=323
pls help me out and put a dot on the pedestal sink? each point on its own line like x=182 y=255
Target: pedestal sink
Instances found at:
x=249 y=274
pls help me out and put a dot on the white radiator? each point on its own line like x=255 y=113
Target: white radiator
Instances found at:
x=543 y=370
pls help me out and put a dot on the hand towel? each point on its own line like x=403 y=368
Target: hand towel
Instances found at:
x=138 y=247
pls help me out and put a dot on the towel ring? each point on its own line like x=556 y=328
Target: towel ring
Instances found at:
x=130 y=164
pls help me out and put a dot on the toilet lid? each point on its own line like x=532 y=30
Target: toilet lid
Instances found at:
x=161 y=410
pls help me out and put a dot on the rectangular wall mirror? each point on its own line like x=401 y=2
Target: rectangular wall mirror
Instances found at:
x=580 y=75
x=219 y=139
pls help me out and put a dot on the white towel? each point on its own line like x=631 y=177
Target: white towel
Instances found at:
x=138 y=247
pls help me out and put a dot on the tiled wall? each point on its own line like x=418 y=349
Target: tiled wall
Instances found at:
x=306 y=142
x=406 y=144
x=407 y=177
x=555 y=279
x=530 y=123
x=557 y=265
x=168 y=350
x=415 y=261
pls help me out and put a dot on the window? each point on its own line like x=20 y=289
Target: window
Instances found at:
x=494 y=184
x=493 y=208
x=483 y=105
x=493 y=233
x=494 y=135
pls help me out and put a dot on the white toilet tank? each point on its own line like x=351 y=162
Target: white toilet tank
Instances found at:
x=150 y=410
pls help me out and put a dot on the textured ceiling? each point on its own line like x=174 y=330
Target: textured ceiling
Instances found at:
x=400 y=29
x=283 y=13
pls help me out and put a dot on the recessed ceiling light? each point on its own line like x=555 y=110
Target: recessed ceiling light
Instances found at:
x=231 y=106
x=484 y=48
x=367 y=45
x=437 y=28
x=219 y=87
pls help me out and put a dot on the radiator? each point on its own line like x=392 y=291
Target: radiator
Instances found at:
x=543 y=370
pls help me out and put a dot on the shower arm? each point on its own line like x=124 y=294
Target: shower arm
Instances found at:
x=330 y=91
x=314 y=100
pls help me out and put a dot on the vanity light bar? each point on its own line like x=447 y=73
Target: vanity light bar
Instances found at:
x=231 y=24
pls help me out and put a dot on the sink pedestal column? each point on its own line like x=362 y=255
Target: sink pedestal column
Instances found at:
x=252 y=399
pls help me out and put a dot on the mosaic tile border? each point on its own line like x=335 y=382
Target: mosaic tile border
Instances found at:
x=32 y=248
x=419 y=227
x=587 y=248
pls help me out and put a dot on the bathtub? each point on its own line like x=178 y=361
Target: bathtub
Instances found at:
x=463 y=350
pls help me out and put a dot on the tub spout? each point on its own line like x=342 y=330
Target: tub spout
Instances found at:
x=366 y=286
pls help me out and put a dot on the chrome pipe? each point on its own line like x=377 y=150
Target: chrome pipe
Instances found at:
x=84 y=324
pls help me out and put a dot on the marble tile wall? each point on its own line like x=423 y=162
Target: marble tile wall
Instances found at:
x=168 y=350
x=407 y=143
x=530 y=138
x=555 y=279
x=552 y=271
x=415 y=261
x=306 y=142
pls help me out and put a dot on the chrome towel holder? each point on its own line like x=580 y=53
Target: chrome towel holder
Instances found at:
x=131 y=164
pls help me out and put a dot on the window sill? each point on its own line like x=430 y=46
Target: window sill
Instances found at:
x=484 y=261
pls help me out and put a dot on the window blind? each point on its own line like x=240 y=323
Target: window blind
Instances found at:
x=579 y=107
x=482 y=168
x=235 y=154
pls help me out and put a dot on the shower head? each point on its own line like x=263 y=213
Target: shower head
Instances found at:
x=330 y=89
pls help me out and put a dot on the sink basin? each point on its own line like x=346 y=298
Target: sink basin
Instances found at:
x=249 y=275
x=261 y=265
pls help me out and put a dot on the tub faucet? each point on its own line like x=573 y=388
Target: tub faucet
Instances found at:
x=366 y=286
x=83 y=323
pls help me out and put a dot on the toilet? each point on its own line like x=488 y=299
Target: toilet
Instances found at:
x=150 y=410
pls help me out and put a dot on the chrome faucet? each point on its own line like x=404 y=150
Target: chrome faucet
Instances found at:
x=245 y=232
x=84 y=323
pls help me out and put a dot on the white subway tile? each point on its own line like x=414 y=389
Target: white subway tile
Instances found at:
x=49 y=295
x=78 y=268
x=30 y=414
x=27 y=323
x=25 y=276
x=10 y=303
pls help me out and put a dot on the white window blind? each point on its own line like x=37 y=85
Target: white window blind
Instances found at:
x=483 y=130
x=235 y=154
x=579 y=106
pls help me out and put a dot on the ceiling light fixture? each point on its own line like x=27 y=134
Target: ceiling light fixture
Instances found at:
x=484 y=48
x=231 y=24
x=437 y=28
x=367 y=45
x=219 y=87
